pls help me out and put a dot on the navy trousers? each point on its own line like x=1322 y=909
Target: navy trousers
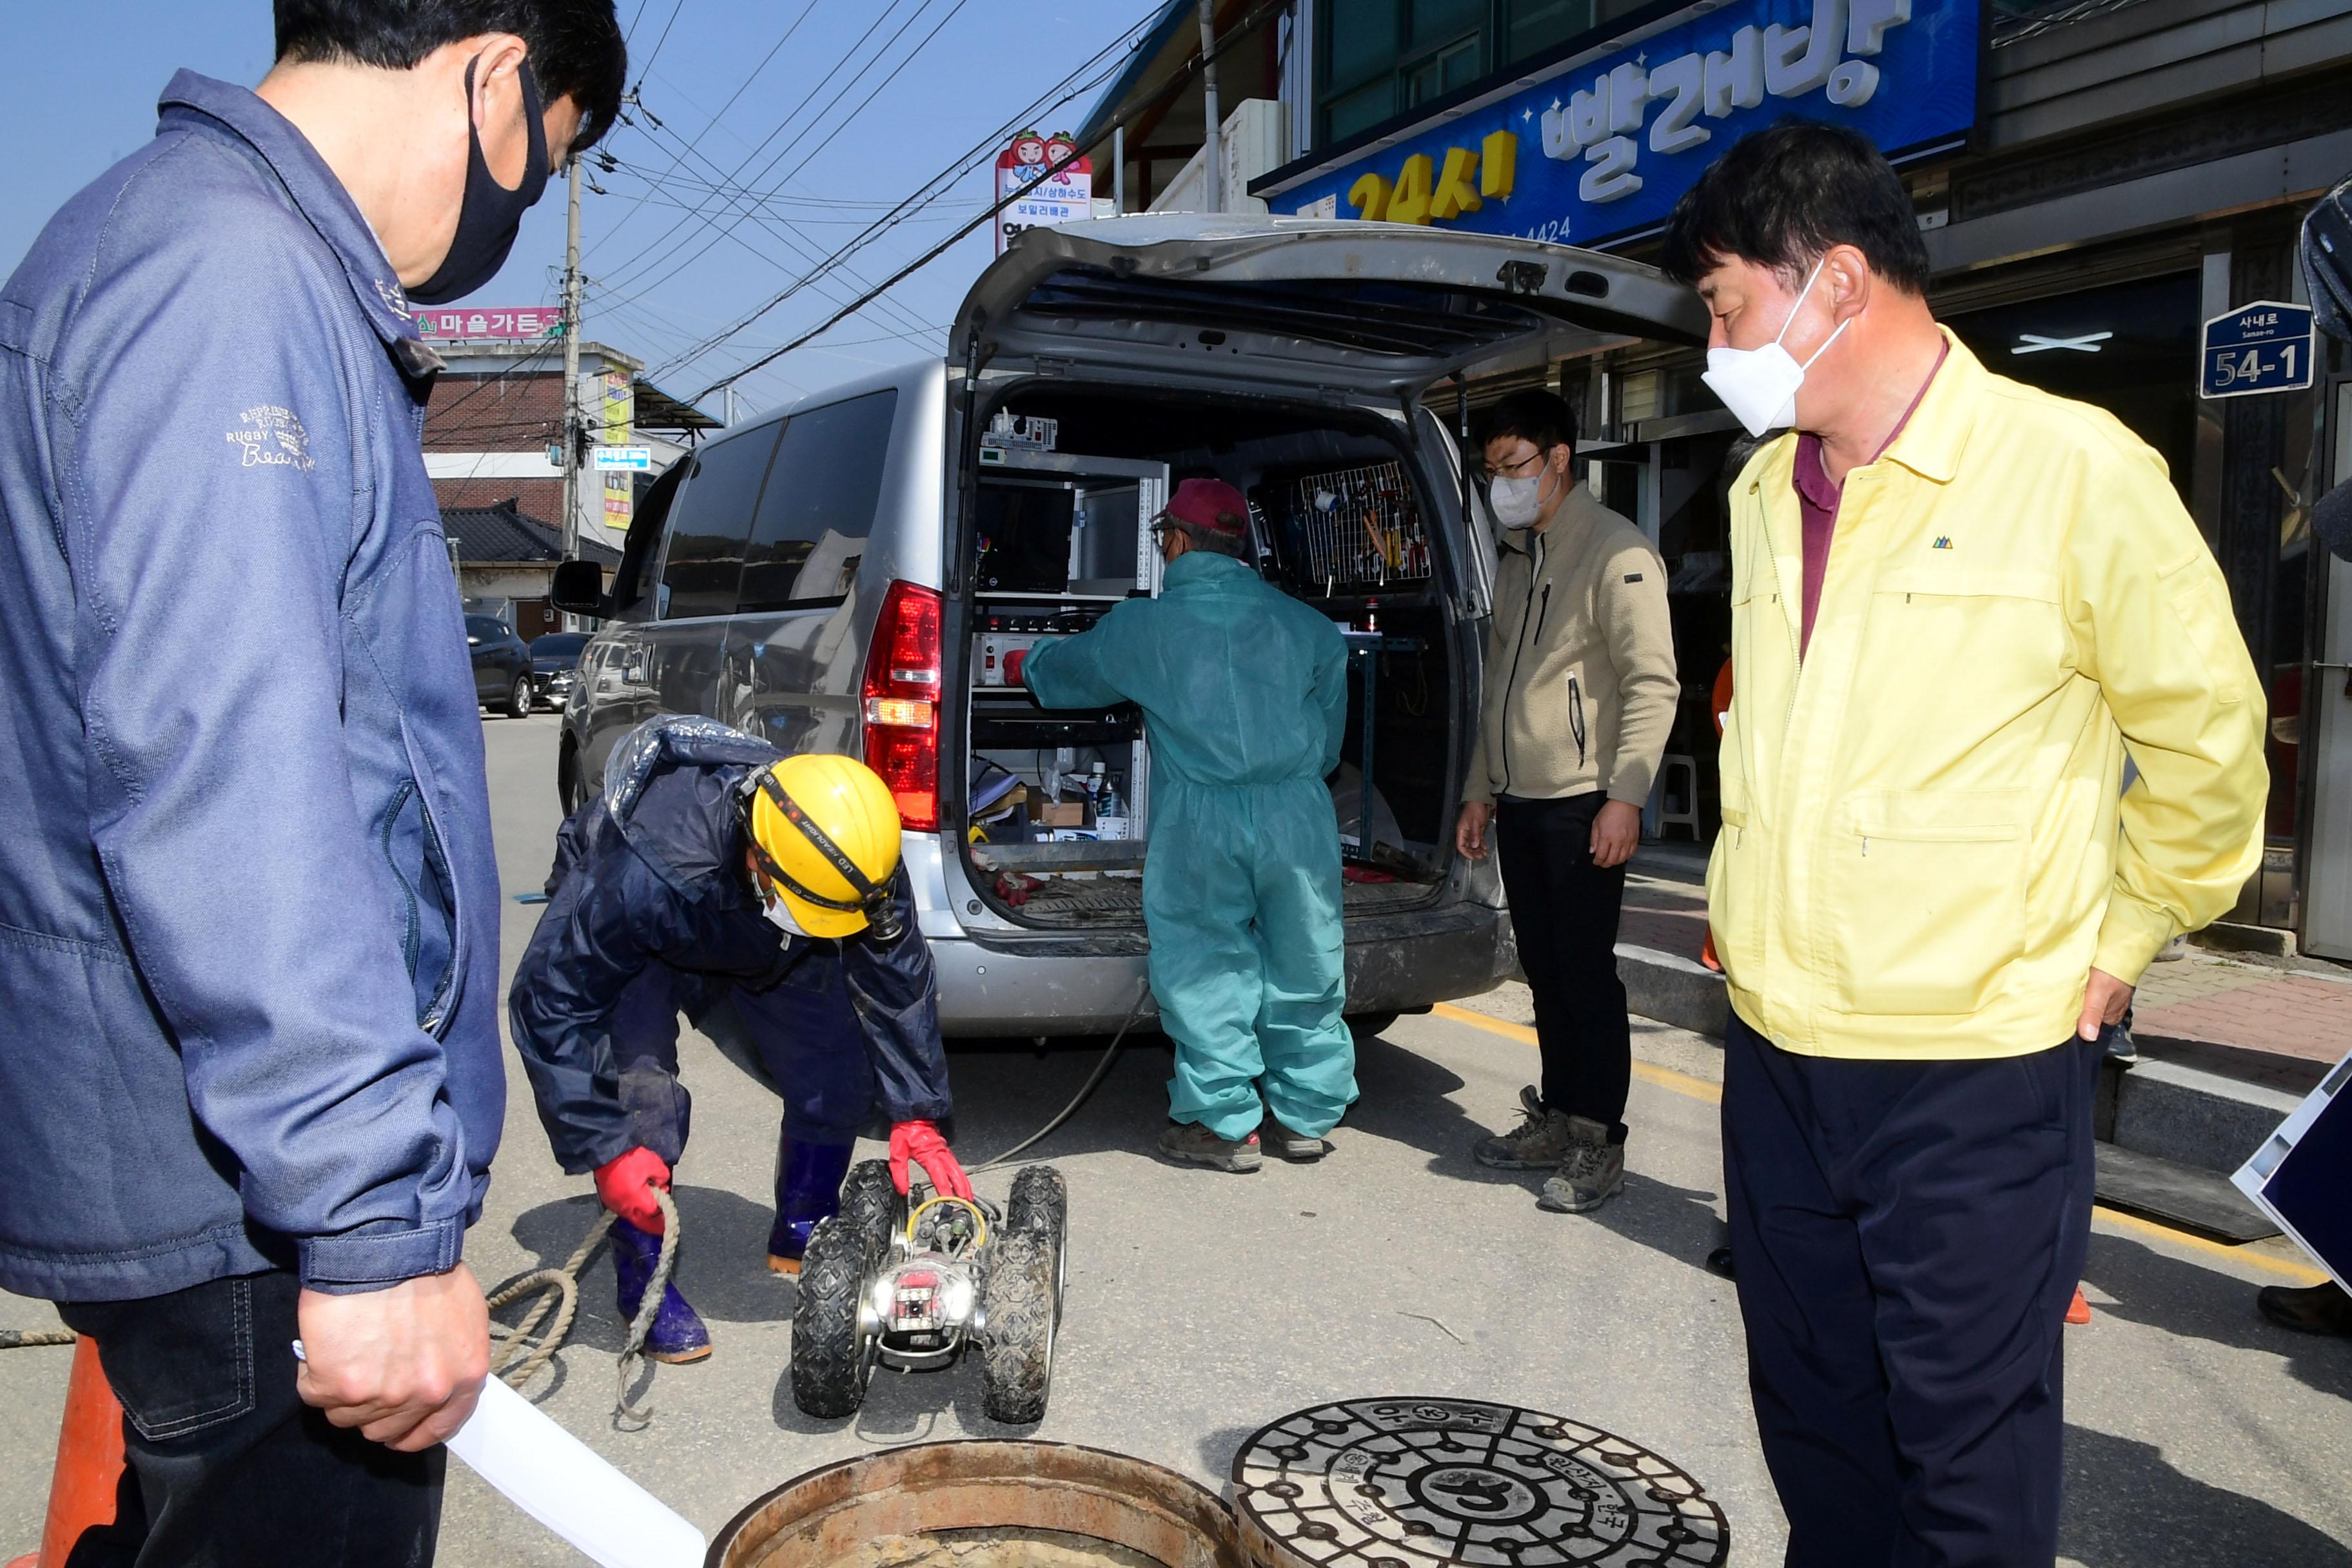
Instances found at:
x=803 y=1029
x=1909 y=1234
x=1565 y=912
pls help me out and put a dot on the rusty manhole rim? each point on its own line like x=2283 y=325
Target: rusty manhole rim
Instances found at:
x=1263 y=1465
x=1208 y=1501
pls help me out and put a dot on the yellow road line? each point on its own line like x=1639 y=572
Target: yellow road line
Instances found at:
x=1666 y=1079
x=2286 y=1268
x=1683 y=1083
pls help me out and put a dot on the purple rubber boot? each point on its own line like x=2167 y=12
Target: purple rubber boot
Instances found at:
x=808 y=1189
x=676 y=1334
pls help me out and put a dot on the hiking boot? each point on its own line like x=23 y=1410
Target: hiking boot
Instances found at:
x=1540 y=1142
x=1592 y=1172
x=676 y=1334
x=1284 y=1144
x=1189 y=1143
x=2321 y=1309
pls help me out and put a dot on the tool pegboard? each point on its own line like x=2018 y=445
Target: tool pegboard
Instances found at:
x=1351 y=528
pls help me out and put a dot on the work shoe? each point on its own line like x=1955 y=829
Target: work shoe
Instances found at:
x=676 y=1333
x=2321 y=1309
x=1540 y=1142
x=1592 y=1172
x=808 y=1192
x=1189 y=1143
x=1284 y=1144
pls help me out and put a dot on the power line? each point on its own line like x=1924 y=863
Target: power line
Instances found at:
x=739 y=92
x=806 y=249
x=643 y=266
x=921 y=196
x=650 y=58
x=1169 y=90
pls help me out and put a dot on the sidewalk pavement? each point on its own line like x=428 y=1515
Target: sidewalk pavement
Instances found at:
x=2277 y=1023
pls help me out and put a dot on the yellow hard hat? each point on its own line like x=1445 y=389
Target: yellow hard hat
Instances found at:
x=824 y=835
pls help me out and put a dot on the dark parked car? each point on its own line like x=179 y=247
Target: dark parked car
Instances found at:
x=501 y=665
x=554 y=662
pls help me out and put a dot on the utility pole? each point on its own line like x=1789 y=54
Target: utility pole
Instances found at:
x=572 y=423
x=1213 y=152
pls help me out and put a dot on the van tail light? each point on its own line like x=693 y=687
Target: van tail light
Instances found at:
x=902 y=703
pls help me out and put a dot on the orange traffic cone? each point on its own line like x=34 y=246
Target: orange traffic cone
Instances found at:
x=2078 y=1310
x=90 y=1461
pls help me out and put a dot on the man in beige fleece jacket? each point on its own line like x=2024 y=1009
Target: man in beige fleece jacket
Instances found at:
x=1581 y=692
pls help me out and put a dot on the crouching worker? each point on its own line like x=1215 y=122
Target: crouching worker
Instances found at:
x=711 y=867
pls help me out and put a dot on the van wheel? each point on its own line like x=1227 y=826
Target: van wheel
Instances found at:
x=1370 y=1025
x=832 y=1361
x=518 y=698
x=1016 y=1359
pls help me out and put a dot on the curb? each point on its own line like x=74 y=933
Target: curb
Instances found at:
x=2159 y=1108
x=2194 y=1117
x=1668 y=988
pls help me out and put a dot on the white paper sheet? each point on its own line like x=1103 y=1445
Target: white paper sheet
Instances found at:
x=565 y=1485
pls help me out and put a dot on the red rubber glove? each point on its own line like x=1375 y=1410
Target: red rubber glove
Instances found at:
x=626 y=1187
x=1013 y=663
x=921 y=1142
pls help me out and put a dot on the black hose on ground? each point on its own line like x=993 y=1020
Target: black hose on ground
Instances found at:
x=1085 y=1090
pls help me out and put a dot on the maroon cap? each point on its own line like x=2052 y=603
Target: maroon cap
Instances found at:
x=1212 y=504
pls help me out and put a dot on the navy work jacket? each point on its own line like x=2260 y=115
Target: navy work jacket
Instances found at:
x=652 y=869
x=248 y=913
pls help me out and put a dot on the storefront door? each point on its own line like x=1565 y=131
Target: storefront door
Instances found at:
x=2327 y=923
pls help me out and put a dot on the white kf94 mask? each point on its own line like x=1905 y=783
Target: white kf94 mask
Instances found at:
x=1759 y=385
x=1516 y=502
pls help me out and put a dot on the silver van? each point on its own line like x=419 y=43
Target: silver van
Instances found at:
x=847 y=575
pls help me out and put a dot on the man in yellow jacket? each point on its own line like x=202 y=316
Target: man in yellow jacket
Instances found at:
x=1957 y=604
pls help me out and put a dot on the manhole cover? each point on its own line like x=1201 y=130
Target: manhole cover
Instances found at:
x=1404 y=1483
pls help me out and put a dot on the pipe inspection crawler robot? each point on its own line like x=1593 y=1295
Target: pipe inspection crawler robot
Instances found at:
x=915 y=1285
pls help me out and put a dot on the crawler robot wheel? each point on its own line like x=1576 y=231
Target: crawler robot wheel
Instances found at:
x=831 y=1359
x=1017 y=1353
x=1040 y=1207
x=871 y=1207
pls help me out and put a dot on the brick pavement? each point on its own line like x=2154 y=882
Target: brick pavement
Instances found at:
x=2278 y=1023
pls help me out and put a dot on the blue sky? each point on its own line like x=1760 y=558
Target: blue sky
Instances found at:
x=662 y=276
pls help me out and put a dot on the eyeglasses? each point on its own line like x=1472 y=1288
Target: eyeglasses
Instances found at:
x=1518 y=471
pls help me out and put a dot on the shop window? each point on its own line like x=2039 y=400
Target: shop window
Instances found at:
x=1454 y=66
x=1358 y=111
x=1537 y=25
x=712 y=523
x=1441 y=21
x=1360 y=40
x=818 y=507
x=2131 y=347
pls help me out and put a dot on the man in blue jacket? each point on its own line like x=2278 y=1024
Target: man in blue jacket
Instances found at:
x=711 y=867
x=250 y=1076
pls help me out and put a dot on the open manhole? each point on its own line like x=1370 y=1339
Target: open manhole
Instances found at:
x=984 y=1505
x=1408 y=1483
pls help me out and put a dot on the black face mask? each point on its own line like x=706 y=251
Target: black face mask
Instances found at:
x=491 y=214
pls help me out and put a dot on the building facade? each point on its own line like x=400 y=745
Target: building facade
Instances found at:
x=494 y=431
x=493 y=445
x=2096 y=181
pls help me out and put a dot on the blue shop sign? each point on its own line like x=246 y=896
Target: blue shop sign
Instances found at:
x=1600 y=149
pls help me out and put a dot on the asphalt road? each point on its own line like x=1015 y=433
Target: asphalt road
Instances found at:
x=1203 y=1306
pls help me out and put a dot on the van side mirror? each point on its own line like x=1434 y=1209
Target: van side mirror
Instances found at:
x=579 y=588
